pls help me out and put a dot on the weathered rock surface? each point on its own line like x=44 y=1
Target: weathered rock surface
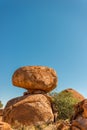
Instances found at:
x=79 y=119
x=35 y=78
x=5 y=126
x=75 y=94
x=29 y=110
x=74 y=128
x=1 y=112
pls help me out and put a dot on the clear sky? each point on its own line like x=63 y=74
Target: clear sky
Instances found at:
x=51 y=33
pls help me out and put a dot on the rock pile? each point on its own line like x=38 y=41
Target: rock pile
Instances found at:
x=79 y=119
x=34 y=107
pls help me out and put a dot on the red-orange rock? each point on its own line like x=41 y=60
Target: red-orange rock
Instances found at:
x=5 y=126
x=80 y=123
x=79 y=119
x=35 y=78
x=28 y=110
x=1 y=112
x=74 y=128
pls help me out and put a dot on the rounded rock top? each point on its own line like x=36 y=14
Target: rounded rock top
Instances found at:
x=35 y=78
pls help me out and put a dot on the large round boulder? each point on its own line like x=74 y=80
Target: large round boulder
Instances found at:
x=29 y=110
x=35 y=78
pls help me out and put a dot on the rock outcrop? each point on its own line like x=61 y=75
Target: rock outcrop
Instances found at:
x=35 y=78
x=34 y=107
x=29 y=110
x=79 y=119
x=5 y=126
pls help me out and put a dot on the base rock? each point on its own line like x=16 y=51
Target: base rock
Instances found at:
x=29 y=110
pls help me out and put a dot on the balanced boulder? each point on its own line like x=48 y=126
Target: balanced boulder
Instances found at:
x=35 y=106
x=35 y=78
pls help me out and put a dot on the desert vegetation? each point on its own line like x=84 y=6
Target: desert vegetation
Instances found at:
x=1 y=105
x=64 y=104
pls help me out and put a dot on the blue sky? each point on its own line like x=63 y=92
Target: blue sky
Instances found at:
x=51 y=33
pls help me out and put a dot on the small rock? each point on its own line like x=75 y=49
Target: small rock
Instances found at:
x=5 y=126
x=62 y=125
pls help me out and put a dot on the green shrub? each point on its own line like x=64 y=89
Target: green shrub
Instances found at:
x=1 y=105
x=64 y=103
